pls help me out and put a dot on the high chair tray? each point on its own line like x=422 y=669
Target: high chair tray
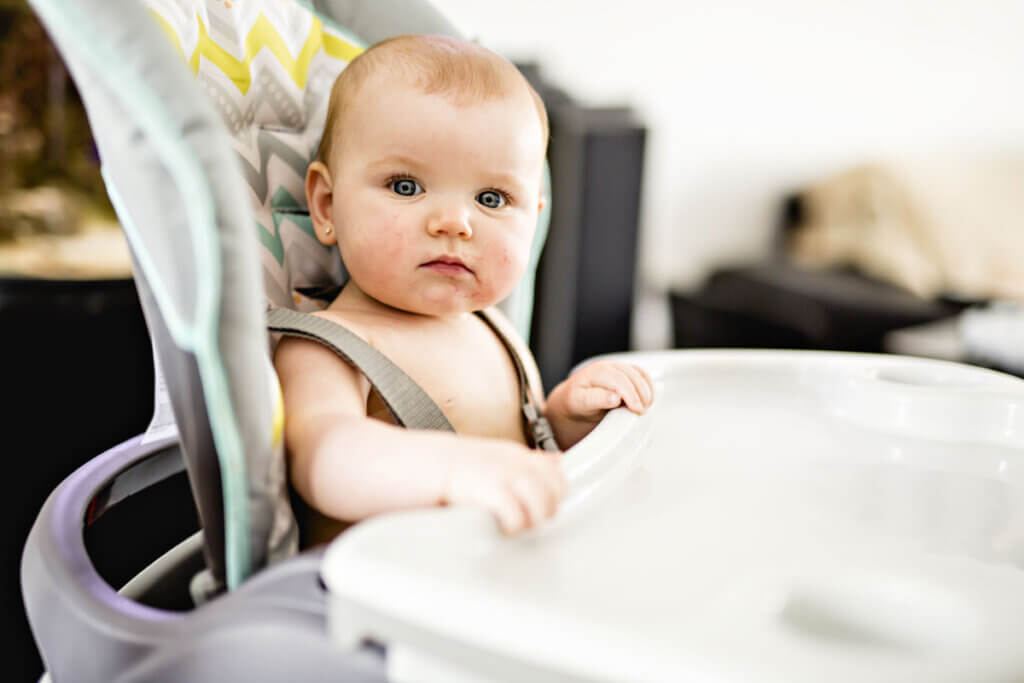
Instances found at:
x=775 y=516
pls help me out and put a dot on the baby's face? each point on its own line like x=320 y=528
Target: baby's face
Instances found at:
x=434 y=204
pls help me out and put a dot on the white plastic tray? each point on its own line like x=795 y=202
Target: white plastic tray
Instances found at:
x=776 y=516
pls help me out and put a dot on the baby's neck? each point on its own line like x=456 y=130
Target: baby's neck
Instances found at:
x=353 y=299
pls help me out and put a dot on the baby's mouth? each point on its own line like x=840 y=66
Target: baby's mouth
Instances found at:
x=448 y=265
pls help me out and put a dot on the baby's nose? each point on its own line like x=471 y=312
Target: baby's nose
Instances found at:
x=450 y=221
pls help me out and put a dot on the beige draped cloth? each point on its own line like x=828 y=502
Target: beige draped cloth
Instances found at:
x=935 y=227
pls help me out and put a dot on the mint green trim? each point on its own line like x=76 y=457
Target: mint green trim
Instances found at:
x=524 y=294
x=543 y=226
x=72 y=26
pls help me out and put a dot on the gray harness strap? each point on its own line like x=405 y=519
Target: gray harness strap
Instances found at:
x=537 y=426
x=408 y=404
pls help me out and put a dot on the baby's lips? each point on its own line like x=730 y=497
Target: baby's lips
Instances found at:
x=447 y=261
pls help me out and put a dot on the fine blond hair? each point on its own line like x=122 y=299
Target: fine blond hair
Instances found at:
x=465 y=72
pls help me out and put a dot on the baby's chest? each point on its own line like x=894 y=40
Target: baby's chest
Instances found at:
x=472 y=380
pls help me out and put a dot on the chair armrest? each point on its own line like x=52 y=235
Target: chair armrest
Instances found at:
x=70 y=607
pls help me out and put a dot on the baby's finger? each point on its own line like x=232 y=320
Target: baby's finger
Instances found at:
x=594 y=399
x=507 y=511
x=554 y=484
x=533 y=499
x=650 y=381
x=642 y=381
x=558 y=485
x=621 y=383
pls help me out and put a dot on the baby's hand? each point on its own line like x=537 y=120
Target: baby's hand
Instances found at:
x=600 y=386
x=519 y=486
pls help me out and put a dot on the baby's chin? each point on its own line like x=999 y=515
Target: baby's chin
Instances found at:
x=459 y=305
x=438 y=301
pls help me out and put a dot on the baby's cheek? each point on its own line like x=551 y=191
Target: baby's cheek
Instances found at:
x=384 y=243
x=394 y=245
x=371 y=263
x=508 y=270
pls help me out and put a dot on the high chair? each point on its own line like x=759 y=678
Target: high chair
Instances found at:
x=206 y=114
x=775 y=516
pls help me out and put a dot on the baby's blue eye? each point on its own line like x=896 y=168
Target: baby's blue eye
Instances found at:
x=491 y=199
x=407 y=187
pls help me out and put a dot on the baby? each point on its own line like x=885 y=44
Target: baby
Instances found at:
x=428 y=180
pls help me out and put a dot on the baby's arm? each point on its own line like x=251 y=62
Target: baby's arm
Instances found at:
x=575 y=406
x=348 y=466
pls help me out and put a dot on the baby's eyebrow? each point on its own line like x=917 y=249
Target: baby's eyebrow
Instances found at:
x=396 y=160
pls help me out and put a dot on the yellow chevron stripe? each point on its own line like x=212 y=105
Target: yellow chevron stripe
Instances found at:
x=339 y=48
x=264 y=35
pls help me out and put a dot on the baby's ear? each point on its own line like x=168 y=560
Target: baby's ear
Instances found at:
x=319 y=198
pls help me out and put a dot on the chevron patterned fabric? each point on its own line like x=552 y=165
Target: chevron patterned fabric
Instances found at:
x=268 y=67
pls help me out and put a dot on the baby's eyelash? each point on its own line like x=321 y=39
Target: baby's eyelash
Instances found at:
x=509 y=199
x=396 y=177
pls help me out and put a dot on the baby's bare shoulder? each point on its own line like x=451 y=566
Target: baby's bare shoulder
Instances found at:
x=312 y=374
x=521 y=348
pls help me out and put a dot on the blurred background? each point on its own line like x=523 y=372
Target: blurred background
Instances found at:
x=909 y=114
x=75 y=361
x=788 y=174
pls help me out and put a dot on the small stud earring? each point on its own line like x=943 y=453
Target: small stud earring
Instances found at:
x=328 y=230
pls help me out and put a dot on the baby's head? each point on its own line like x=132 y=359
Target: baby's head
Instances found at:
x=429 y=174
x=461 y=71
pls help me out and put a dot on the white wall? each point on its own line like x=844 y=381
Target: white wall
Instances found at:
x=746 y=100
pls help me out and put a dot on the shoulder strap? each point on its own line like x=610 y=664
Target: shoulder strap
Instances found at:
x=405 y=400
x=537 y=426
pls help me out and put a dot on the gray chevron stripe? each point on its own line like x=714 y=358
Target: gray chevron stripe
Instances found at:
x=270 y=144
x=265 y=93
x=226 y=102
x=222 y=32
x=269 y=92
x=273 y=289
x=322 y=72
